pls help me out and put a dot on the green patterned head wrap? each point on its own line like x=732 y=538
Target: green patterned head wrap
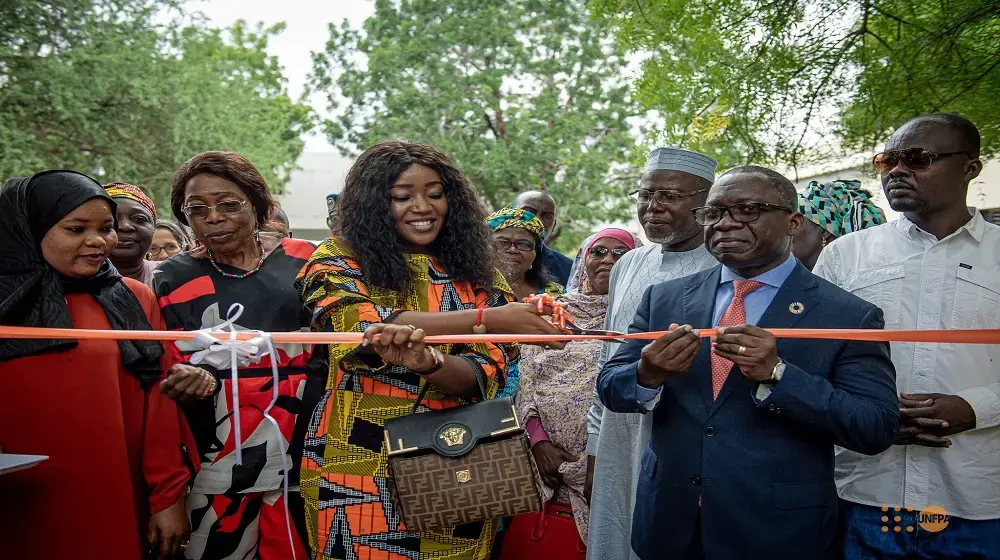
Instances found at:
x=840 y=207
x=516 y=218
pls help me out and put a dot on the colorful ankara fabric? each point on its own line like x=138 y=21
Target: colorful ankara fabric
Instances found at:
x=131 y=192
x=840 y=207
x=193 y=295
x=349 y=512
x=515 y=217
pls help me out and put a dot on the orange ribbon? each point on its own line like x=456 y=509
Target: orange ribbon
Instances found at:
x=949 y=336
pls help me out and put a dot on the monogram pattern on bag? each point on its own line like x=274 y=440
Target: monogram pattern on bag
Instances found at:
x=432 y=495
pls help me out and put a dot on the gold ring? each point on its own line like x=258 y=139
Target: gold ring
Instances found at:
x=741 y=350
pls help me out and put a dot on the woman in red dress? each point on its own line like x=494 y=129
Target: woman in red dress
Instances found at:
x=113 y=485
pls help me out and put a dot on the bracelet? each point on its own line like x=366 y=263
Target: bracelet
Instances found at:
x=479 y=327
x=438 y=361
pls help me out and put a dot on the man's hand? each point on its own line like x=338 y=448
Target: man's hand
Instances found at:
x=668 y=356
x=549 y=457
x=926 y=418
x=751 y=348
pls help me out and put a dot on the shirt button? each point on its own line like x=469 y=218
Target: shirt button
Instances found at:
x=696 y=480
x=772 y=407
x=709 y=431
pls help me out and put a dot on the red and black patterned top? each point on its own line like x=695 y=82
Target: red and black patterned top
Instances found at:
x=192 y=296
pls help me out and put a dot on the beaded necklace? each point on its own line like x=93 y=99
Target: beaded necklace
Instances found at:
x=240 y=275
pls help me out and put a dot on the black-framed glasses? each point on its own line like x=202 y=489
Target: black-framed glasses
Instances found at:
x=743 y=213
x=603 y=251
x=520 y=244
x=201 y=211
x=914 y=159
x=662 y=196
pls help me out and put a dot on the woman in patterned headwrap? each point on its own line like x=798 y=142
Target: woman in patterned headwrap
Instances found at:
x=832 y=210
x=135 y=226
x=517 y=242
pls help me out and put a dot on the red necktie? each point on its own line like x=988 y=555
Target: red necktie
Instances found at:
x=736 y=314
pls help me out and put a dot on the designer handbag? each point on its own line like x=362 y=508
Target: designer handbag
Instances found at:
x=461 y=465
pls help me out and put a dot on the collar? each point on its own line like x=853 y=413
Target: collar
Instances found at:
x=774 y=277
x=976 y=226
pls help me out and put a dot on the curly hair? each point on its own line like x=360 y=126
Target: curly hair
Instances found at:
x=232 y=167
x=363 y=219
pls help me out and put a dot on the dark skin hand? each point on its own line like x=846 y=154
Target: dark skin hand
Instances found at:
x=548 y=458
x=667 y=357
x=168 y=530
x=761 y=350
x=926 y=418
x=187 y=383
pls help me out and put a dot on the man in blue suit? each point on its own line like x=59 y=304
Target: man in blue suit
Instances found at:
x=740 y=463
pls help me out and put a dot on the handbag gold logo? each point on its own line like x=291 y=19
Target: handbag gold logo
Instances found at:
x=463 y=476
x=453 y=437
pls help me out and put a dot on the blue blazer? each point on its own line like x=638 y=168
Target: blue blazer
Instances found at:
x=764 y=470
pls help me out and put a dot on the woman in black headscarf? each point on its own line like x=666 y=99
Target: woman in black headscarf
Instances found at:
x=114 y=481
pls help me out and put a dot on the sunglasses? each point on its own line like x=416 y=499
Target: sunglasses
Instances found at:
x=201 y=211
x=744 y=213
x=914 y=159
x=602 y=251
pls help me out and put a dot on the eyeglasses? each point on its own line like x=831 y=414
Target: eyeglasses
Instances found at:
x=643 y=196
x=521 y=245
x=602 y=251
x=226 y=207
x=914 y=159
x=170 y=249
x=743 y=213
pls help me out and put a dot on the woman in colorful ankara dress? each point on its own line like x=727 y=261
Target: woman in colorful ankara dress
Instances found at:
x=517 y=243
x=412 y=258
x=237 y=510
x=557 y=385
x=135 y=224
x=114 y=481
x=832 y=210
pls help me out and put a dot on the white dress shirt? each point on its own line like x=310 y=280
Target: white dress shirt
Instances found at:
x=921 y=282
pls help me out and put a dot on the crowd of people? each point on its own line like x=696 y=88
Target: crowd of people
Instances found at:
x=735 y=445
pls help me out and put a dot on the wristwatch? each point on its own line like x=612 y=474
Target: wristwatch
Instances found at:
x=776 y=373
x=438 y=361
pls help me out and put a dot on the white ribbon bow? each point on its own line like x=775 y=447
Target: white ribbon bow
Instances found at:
x=234 y=354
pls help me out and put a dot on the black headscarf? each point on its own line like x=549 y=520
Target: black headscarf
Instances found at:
x=32 y=293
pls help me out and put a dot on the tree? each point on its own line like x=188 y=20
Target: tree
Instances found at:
x=780 y=81
x=521 y=93
x=97 y=86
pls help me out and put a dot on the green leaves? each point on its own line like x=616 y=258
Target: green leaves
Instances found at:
x=522 y=94
x=773 y=80
x=125 y=99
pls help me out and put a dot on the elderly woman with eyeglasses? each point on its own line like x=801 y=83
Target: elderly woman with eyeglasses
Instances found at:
x=517 y=242
x=237 y=509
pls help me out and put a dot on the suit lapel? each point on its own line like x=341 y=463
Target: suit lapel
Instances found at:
x=699 y=304
x=794 y=295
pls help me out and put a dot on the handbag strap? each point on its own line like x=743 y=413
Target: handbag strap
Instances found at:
x=427 y=385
